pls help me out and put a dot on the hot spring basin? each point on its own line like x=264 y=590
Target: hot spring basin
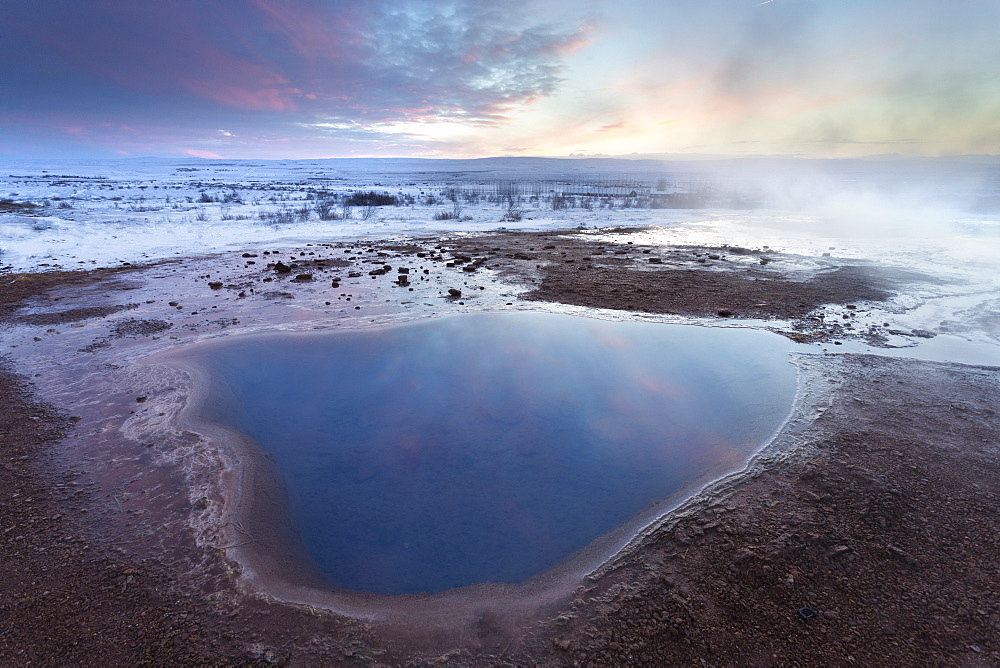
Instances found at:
x=488 y=448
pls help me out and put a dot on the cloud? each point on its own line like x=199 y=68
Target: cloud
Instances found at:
x=476 y=62
x=472 y=77
x=199 y=153
x=800 y=75
x=283 y=61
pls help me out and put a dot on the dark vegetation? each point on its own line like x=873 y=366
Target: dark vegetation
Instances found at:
x=371 y=198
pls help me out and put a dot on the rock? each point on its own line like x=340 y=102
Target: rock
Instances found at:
x=454 y=292
x=724 y=313
x=923 y=334
x=403 y=270
x=354 y=274
x=655 y=260
x=303 y=278
x=902 y=554
x=250 y=254
x=838 y=550
x=140 y=400
x=282 y=268
x=215 y=285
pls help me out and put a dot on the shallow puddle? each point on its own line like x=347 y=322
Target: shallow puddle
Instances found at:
x=488 y=448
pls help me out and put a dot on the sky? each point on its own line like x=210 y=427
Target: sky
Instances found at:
x=467 y=79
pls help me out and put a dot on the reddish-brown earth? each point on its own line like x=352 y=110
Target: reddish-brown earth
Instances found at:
x=877 y=512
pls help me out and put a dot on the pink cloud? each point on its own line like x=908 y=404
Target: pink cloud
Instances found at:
x=199 y=153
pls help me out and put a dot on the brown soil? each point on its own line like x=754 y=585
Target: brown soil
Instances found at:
x=19 y=289
x=884 y=525
x=882 y=521
x=63 y=599
x=68 y=596
x=695 y=281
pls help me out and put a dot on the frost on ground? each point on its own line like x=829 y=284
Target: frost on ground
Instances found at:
x=936 y=218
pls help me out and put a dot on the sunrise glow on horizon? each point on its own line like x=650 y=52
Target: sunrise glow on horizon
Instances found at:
x=464 y=79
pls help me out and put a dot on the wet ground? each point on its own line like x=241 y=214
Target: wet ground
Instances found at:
x=875 y=509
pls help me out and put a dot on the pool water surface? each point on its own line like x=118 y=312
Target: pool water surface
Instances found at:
x=490 y=447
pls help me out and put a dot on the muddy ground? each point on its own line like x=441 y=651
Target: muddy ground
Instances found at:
x=868 y=535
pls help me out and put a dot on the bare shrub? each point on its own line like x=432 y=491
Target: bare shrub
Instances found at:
x=371 y=198
x=454 y=214
x=279 y=217
x=326 y=209
x=512 y=214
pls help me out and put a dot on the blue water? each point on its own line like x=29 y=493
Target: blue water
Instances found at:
x=488 y=448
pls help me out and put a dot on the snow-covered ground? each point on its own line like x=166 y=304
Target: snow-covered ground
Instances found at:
x=940 y=218
x=102 y=214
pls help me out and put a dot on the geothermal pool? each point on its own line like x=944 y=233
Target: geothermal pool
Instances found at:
x=491 y=447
